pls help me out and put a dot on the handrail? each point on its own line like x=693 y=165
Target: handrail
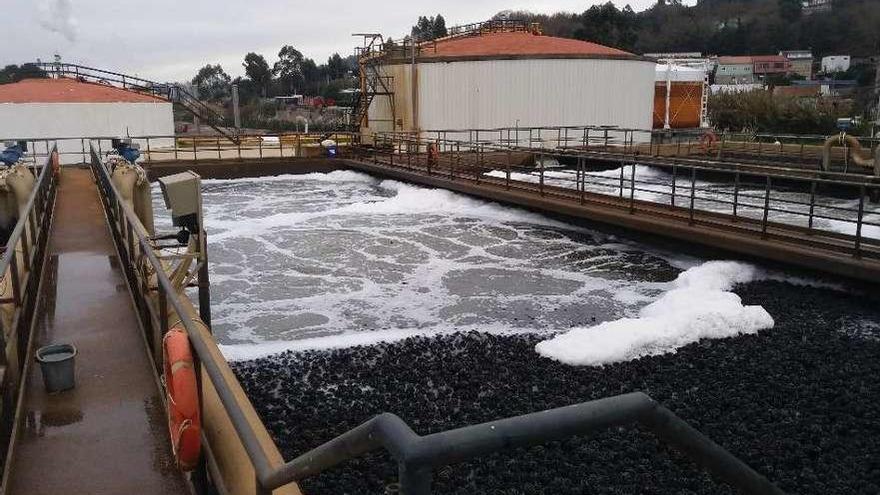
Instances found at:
x=473 y=146
x=172 y=92
x=240 y=423
x=470 y=161
x=31 y=232
x=18 y=231
x=418 y=455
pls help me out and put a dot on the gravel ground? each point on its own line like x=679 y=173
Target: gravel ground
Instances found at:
x=800 y=403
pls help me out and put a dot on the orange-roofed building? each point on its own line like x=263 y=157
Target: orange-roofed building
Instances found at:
x=68 y=108
x=489 y=79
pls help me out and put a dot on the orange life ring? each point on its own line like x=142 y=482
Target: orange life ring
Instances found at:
x=707 y=141
x=181 y=387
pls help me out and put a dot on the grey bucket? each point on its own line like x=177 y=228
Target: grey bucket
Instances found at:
x=57 y=364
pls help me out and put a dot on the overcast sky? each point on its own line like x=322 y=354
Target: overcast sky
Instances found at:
x=169 y=40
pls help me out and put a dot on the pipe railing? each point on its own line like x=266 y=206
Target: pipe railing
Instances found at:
x=159 y=148
x=840 y=229
x=800 y=151
x=22 y=265
x=416 y=455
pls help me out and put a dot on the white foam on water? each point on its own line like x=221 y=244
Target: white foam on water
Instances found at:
x=332 y=260
x=335 y=176
x=699 y=305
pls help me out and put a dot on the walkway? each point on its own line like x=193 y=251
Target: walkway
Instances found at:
x=813 y=249
x=108 y=436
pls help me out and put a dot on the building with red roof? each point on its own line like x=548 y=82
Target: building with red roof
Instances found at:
x=494 y=78
x=69 y=108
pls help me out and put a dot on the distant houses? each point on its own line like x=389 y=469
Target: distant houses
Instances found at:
x=796 y=70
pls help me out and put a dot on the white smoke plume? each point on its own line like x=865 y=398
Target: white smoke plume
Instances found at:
x=57 y=17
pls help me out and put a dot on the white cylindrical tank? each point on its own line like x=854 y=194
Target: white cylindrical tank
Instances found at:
x=509 y=79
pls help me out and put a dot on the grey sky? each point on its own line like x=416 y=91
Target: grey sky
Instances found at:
x=171 y=39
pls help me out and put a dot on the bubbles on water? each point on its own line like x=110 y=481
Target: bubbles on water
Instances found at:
x=295 y=258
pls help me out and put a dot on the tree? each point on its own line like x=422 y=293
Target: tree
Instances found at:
x=336 y=67
x=212 y=82
x=429 y=28
x=15 y=73
x=257 y=70
x=790 y=10
x=606 y=25
x=289 y=68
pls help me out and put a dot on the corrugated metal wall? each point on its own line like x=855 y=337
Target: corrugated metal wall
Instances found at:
x=533 y=92
x=498 y=93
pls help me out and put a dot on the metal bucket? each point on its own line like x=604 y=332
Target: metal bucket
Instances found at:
x=57 y=364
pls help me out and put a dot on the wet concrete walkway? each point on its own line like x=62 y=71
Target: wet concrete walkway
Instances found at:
x=108 y=436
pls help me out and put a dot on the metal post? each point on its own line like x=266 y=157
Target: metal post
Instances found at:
x=693 y=192
x=812 y=203
x=204 y=281
x=149 y=155
x=582 y=177
x=632 y=190
x=507 y=179
x=735 y=194
x=541 y=186
x=766 y=209
x=195 y=152
x=620 y=191
x=858 y=243
x=674 y=182
x=219 y=156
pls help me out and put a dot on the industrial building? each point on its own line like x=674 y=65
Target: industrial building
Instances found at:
x=68 y=108
x=503 y=74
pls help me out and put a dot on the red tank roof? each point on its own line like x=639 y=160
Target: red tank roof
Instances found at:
x=69 y=91
x=519 y=45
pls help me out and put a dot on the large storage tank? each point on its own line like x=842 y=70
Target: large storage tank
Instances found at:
x=684 y=107
x=510 y=78
x=68 y=108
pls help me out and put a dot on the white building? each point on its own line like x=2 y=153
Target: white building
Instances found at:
x=53 y=109
x=513 y=79
x=835 y=63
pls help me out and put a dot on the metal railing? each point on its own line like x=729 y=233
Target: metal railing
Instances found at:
x=416 y=455
x=792 y=152
x=174 y=93
x=21 y=266
x=765 y=204
x=159 y=148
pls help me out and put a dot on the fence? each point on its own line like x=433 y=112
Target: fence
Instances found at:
x=782 y=150
x=24 y=257
x=194 y=148
x=772 y=205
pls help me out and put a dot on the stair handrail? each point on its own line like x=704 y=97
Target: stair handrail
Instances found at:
x=173 y=92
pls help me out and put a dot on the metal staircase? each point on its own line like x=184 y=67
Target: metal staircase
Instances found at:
x=171 y=92
x=372 y=82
